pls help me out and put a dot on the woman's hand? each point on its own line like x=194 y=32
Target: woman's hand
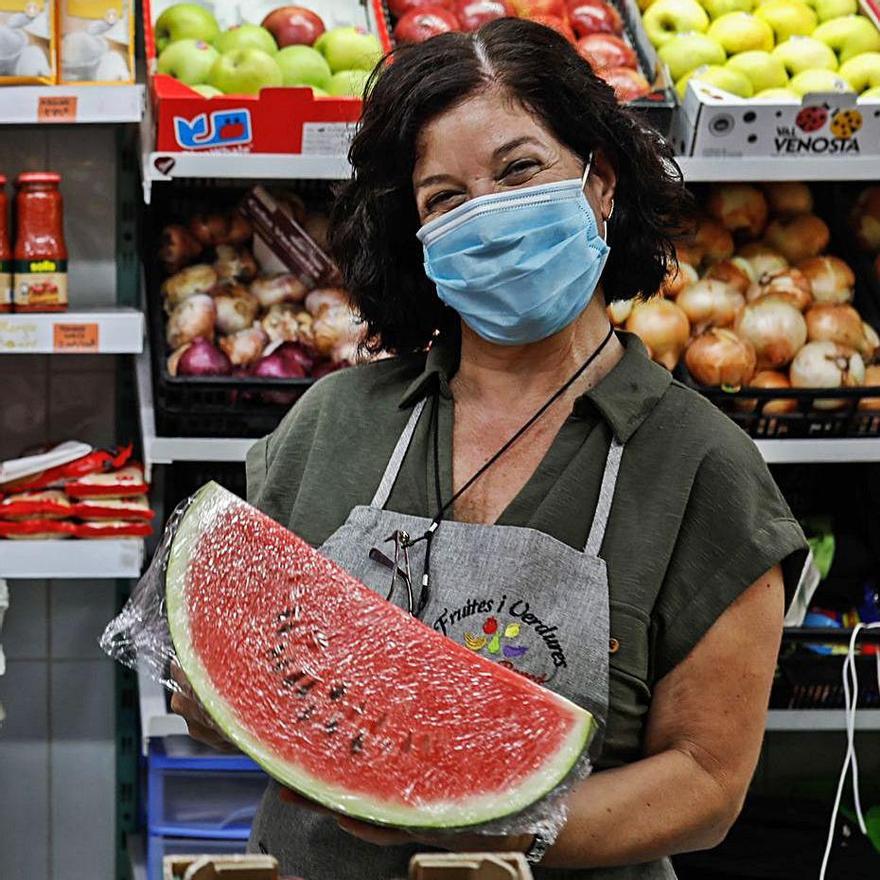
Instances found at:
x=198 y=724
x=379 y=836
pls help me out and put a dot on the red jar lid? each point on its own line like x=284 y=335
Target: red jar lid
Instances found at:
x=38 y=177
x=2 y=180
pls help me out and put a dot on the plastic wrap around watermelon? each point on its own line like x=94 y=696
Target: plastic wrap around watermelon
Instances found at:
x=345 y=697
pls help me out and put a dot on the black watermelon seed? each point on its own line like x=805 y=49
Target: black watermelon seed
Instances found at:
x=284 y=628
x=284 y=615
x=337 y=691
x=357 y=744
x=331 y=725
x=290 y=680
x=302 y=691
x=281 y=664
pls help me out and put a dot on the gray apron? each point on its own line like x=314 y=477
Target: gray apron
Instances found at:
x=510 y=594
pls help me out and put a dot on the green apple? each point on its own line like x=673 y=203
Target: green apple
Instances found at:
x=347 y=48
x=303 y=66
x=863 y=71
x=805 y=53
x=788 y=18
x=244 y=72
x=348 y=82
x=206 y=91
x=724 y=78
x=319 y=93
x=826 y=9
x=781 y=95
x=246 y=36
x=849 y=35
x=717 y=8
x=818 y=81
x=741 y=32
x=870 y=94
x=763 y=69
x=663 y=19
x=686 y=52
x=189 y=61
x=184 y=21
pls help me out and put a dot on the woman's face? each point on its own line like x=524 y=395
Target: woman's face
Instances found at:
x=490 y=143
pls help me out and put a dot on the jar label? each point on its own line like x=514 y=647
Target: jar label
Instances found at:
x=5 y=285
x=40 y=284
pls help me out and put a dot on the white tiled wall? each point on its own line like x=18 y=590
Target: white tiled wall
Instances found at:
x=57 y=758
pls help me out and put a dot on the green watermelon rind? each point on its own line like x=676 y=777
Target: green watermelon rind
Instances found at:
x=212 y=499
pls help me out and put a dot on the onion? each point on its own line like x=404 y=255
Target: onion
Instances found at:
x=345 y=352
x=828 y=322
x=827 y=365
x=333 y=327
x=720 y=357
x=663 y=327
x=245 y=346
x=239 y=228
x=790 y=285
x=316 y=227
x=186 y=283
x=731 y=273
x=710 y=303
x=872 y=341
x=324 y=368
x=677 y=278
x=194 y=317
x=688 y=252
x=325 y=296
x=288 y=361
x=798 y=238
x=776 y=329
x=236 y=308
x=762 y=258
x=831 y=279
x=177 y=247
x=209 y=229
x=619 y=310
x=203 y=359
x=287 y=323
x=234 y=264
x=738 y=206
x=872 y=380
x=769 y=379
x=174 y=358
x=745 y=266
x=278 y=289
x=714 y=240
x=788 y=198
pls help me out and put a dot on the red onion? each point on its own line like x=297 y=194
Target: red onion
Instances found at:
x=720 y=357
x=710 y=303
x=663 y=327
x=287 y=361
x=776 y=329
x=203 y=359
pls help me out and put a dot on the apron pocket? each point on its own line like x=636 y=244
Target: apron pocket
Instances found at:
x=628 y=646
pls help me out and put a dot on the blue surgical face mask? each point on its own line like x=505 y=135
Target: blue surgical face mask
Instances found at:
x=517 y=266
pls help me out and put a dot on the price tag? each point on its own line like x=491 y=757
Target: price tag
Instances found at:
x=16 y=335
x=75 y=338
x=56 y=108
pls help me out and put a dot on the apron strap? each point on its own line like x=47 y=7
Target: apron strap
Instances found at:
x=380 y=499
x=606 y=496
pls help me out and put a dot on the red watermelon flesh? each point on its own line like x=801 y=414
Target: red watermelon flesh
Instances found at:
x=345 y=697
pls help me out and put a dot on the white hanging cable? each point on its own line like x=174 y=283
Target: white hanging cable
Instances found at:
x=851 y=700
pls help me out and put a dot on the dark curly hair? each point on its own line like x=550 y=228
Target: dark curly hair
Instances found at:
x=375 y=219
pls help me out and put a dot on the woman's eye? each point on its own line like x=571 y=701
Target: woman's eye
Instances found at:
x=438 y=200
x=521 y=166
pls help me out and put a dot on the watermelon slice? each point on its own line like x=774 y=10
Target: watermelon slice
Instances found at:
x=345 y=697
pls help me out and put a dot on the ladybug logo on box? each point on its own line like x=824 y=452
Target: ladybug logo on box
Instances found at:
x=809 y=134
x=210 y=131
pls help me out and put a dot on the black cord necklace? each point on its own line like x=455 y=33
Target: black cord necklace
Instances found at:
x=442 y=508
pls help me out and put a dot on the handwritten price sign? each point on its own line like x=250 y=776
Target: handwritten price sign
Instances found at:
x=56 y=108
x=18 y=335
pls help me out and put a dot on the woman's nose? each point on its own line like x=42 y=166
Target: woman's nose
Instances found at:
x=483 y=187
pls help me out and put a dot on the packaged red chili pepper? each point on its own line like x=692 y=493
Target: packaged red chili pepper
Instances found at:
x=117 y=484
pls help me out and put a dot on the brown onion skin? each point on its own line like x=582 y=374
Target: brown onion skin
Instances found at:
x=710 y=303
x=720 y=357
x=773 y=352
x=762 y=258
x=831 y=279
x=840 y=323
x=872 y=380
x=790 y=284
x=739 y=207
x=798 y=238
x=663 y=327
x=788 y=198
x=728 y=272
x=677 y=279
x=714 y=240
x=178 y=248
x=768 y=379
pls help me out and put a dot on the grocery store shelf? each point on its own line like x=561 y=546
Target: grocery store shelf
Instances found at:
x=698 y=169
x=53 y=105
x=165 y=450
x=78 y=331
x=106 y=558
x=820 y=719
x=820 y=451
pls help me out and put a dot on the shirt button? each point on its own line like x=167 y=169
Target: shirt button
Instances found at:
x=613 y=646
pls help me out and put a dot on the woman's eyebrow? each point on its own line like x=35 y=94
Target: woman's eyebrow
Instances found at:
x=435 y=178
x=512 y=145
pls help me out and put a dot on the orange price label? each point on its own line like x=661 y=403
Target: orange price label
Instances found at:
x=77 y=338
x=56 y=108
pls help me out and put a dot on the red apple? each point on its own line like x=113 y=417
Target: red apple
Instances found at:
x=531 y=8
x=554 y=22
x=594 y=17
x=419 y=25
x=628 y=84
x=606 y=50
x=399 y=8
x=473 y=14
x=293 y=26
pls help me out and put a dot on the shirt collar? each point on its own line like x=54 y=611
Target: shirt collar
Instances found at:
x=624 y=398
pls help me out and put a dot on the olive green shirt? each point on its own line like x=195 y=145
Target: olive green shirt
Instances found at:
x=696 y=516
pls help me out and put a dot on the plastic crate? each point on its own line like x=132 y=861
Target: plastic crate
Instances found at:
x=196 y=794
x=158 y=847
x=805 y=680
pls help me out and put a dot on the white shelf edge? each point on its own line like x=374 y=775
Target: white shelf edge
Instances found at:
x=99 y=331
x=107 y=104
x=700 y=169
x=808 y=720
x=820 y=451
x=71 y=558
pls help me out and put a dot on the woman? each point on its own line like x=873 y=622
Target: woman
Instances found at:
x=500 y=196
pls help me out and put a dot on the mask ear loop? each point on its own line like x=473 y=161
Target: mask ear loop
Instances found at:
x=605 y=220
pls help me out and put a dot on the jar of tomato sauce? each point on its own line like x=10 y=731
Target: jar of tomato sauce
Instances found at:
x=40 y=255
x=5 y=251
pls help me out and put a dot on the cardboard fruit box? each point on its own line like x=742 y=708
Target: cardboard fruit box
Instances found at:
x=277 y=120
